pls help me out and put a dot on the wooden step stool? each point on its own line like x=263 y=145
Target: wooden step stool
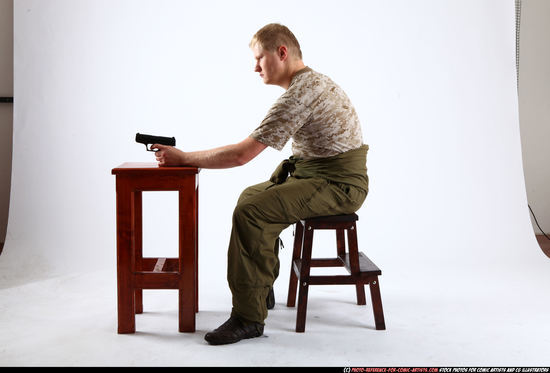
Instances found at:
x=362 y=270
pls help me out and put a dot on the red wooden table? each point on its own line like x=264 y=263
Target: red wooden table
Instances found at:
x=135 y=273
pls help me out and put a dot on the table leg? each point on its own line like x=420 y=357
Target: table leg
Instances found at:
x=187 y=254
x=138 y=245
x=125 y=290
x=197 y=245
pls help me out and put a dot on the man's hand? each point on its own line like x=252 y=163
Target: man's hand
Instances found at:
x=168 y=155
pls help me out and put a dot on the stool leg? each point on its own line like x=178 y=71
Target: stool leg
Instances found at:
x=293 y=282
x=340 y=243
x=304 y=279
x=354 y=264
x=377 y=305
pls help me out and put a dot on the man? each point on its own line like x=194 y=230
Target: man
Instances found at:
x=326 y=175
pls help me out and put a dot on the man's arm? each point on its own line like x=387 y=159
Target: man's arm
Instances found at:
x=223 y=157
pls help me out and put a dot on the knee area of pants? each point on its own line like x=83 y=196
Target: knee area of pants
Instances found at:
x=243 y=210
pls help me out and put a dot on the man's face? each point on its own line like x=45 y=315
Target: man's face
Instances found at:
x=268 y=64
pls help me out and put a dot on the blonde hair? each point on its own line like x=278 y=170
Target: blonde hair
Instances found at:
x=272 y=36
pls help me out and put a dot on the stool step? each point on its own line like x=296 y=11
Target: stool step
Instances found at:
x=365 y=264
x=368 y=270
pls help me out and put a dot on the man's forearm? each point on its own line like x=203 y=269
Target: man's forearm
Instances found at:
x=225 y=156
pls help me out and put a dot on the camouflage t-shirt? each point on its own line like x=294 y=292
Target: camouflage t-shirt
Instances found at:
x=316 y=113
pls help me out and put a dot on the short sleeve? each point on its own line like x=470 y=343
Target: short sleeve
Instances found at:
x=285 y=117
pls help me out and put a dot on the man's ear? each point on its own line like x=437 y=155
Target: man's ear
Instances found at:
x=283 y=52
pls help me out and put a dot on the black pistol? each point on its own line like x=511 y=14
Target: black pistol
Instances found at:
x=148 y=139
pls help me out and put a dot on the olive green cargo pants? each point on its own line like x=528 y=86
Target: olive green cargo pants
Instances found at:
x=263 y=211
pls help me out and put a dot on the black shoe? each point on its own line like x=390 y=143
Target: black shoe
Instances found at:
x=233 y=330
x=270 y=300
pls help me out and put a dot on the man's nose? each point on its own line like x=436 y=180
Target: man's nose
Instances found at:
x=257 y=68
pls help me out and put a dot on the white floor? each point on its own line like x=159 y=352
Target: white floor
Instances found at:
x=441 y=318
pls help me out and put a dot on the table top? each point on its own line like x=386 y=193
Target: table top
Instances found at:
x=152 y=168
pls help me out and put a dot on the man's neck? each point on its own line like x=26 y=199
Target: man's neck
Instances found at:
x=293 y=69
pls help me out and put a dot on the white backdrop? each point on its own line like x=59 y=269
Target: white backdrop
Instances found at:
x=434 y=85
x=433 y=82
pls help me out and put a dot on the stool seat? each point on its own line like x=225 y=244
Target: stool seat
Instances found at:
x=361 y=269
x=333 y=219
